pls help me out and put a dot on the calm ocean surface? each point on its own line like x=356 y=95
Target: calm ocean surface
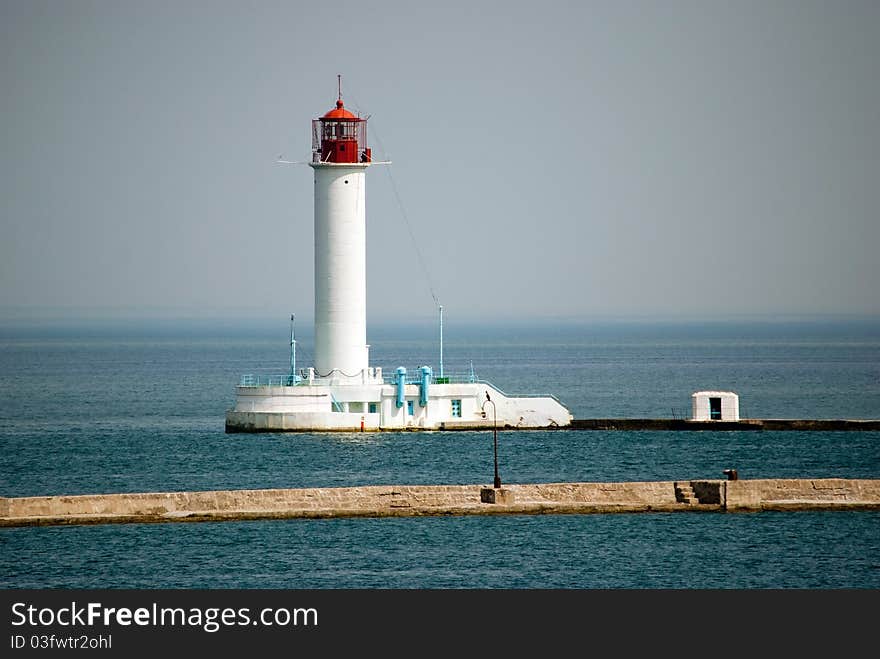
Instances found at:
x=129 y=409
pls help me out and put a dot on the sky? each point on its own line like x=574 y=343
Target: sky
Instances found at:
x=552 y=160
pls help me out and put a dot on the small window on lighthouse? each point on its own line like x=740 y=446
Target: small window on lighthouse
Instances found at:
x=409 y=407
x=456 y=407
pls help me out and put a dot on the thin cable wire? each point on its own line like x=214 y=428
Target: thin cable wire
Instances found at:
x=403 y=214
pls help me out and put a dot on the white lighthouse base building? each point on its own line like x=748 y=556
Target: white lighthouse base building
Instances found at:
x=263 y=405
x=342 y=392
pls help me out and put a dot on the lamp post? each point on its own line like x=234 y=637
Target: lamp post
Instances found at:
x=497 y=483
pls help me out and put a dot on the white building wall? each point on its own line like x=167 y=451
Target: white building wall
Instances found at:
x=343 y=407
x=340 y=269
x=283 y=399
x=302 y=421
x=700 y=405
x=730 y=408
x=391 y=416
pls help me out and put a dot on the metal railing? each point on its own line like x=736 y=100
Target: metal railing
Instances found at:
x=413 y=377
x=269 y=380
x=287 y=380
x=308 y=376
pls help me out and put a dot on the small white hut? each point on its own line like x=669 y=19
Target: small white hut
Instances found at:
x=714 y=406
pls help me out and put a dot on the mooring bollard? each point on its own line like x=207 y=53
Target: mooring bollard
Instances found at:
x=731 y=474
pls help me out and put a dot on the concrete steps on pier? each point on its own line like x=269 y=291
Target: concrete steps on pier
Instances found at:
x=684 y=493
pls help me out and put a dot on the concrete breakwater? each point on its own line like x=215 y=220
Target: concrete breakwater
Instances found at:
x=252 y=422
x=444 y=500
x=743 y=424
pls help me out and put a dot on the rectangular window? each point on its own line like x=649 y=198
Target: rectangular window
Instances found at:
x=373 y=408
x=409 y=407
x=714 y=408
x=456 y=407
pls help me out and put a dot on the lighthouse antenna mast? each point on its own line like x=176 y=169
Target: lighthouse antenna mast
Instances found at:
x=441 y=340
x=293 y=376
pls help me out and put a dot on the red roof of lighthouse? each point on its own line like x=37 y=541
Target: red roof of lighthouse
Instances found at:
x=339 y=112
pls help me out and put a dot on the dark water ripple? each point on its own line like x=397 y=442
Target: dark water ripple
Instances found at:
x=673 y=550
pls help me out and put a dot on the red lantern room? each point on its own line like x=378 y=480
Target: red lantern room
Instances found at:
x=340 y=137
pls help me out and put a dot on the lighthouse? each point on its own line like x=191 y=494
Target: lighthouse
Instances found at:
x=341 y=391
x=340 y=158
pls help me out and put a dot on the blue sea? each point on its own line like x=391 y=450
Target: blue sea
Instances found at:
x=131 y=407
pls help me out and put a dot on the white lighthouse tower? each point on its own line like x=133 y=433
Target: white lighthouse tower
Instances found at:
x=340 y=158
x=341 y=391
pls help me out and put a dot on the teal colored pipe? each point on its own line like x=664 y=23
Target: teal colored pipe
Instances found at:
x=423 y=390
x=401 y=386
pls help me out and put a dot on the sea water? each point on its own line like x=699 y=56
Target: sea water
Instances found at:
x=102 y=409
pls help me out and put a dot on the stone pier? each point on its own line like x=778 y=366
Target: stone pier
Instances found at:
x=423 y=500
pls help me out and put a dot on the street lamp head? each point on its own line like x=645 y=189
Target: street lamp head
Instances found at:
x=485 y=402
